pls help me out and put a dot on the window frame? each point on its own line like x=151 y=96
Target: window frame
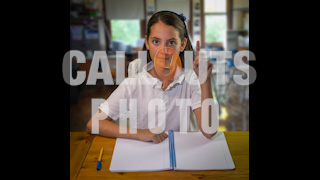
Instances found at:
x=214 y=14
x=217 y=43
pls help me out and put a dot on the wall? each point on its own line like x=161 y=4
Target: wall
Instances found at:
x=240 y=4
x=240 y=14
x=90 y=23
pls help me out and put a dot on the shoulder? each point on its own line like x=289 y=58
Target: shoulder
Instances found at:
x=137 y=81
x=130 y=82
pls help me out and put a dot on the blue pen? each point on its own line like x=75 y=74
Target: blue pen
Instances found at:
x=173 y=150
x=99 y=161
x=170 y=151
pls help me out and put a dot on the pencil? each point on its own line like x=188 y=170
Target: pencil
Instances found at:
x=101 y=151
x=99 y=160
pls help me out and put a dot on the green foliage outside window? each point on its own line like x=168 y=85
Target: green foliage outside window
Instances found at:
x=127 y=31
x=215 y=28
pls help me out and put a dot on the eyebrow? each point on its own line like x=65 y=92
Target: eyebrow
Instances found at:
x=167 y=40
x=172 y=39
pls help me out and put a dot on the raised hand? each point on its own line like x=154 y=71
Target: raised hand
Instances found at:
x=196 y=63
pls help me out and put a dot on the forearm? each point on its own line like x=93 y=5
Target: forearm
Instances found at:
x=206 y=93
x=206 y=90
x=109 y=129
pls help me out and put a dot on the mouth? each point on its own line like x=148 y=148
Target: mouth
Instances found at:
x=166 y=71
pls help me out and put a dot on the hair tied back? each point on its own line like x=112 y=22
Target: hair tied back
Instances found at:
x=182 y=17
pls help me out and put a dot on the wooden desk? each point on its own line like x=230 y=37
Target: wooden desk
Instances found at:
x=80 y=143
x=238 y=142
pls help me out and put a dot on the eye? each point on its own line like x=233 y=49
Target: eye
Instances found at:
x=155 y=41
x=171 y=43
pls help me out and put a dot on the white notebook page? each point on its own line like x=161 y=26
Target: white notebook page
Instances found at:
x=134 y=155
x=196 y=152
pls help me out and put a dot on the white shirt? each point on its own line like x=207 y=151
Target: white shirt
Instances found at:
x=142 y=88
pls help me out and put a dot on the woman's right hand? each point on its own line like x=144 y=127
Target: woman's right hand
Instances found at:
x=147 y=135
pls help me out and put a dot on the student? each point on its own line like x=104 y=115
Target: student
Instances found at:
x=164 y=29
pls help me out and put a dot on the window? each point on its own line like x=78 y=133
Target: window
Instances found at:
x=215 y=21
x=215 y=27
x=127 y=31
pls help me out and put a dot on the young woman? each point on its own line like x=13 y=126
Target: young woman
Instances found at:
x=166 y=31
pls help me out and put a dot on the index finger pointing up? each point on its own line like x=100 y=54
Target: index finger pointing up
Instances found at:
x=197 y=48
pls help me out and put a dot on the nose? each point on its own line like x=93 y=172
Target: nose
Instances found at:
x=167 y=60
x=166 y=50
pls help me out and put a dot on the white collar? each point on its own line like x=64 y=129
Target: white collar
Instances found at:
x=156 y=82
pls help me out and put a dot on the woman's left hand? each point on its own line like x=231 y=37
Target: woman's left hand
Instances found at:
x=196 y=63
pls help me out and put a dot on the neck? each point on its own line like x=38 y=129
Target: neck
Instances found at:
x=155 y=75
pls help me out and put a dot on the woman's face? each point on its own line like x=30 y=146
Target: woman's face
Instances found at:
x=162 y=35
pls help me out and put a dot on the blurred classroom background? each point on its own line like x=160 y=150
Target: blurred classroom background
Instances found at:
x=108 y=25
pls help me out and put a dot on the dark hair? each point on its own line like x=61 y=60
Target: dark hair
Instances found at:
x=172 y=19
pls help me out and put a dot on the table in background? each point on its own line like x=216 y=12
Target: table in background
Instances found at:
x=238 y=142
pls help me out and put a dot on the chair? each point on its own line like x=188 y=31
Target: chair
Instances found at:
x=140 y=42
x=230 y=70
x=214 y=49
x=116 y=45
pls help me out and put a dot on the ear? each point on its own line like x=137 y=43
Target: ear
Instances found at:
x=146 y=42
x=183 y=45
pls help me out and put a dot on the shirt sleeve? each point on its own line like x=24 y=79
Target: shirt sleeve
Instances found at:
x=112 y=105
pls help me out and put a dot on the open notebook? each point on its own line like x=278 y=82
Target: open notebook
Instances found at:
x=191 y=151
